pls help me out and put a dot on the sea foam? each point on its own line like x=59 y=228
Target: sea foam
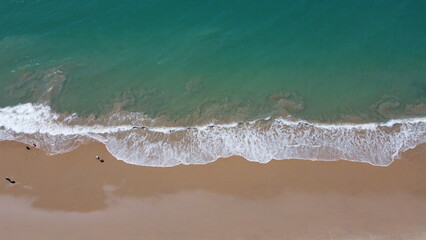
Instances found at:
x=261 y=140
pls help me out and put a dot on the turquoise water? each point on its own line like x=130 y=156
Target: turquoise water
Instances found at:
x=225 y=60
x=163 y=83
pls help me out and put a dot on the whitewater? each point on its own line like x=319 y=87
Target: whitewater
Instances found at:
x=137 y=139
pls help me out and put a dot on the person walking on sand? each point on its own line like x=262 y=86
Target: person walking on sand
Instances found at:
x=10 y=180
x=99 y=159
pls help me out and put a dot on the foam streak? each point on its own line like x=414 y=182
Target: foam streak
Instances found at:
x=261 y=140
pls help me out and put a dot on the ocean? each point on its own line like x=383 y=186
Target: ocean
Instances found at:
x=163 y=83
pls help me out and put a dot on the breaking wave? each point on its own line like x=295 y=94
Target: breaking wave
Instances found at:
x=136 y=139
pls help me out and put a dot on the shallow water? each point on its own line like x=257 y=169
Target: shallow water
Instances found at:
x=211 y=60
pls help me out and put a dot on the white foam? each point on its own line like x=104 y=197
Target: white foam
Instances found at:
x=30 y=119
x=261 y=140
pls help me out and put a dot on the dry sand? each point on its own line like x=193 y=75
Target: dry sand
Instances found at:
x=74 y=196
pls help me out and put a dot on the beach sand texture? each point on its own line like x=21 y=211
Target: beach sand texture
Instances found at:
x=74 y=196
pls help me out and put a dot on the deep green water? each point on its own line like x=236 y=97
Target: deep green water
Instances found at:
x=227 y=60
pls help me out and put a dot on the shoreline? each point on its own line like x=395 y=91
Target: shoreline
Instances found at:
x=143 y=144
x=231 y=198
x=132 y=120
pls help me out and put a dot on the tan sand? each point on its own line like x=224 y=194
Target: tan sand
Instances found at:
x=73 y=196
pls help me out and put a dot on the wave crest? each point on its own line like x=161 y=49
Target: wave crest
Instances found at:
x=136 y=139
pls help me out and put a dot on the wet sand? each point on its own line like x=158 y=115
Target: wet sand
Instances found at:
x=74 y=196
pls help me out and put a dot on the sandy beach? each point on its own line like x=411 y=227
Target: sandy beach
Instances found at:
x=74 y=196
